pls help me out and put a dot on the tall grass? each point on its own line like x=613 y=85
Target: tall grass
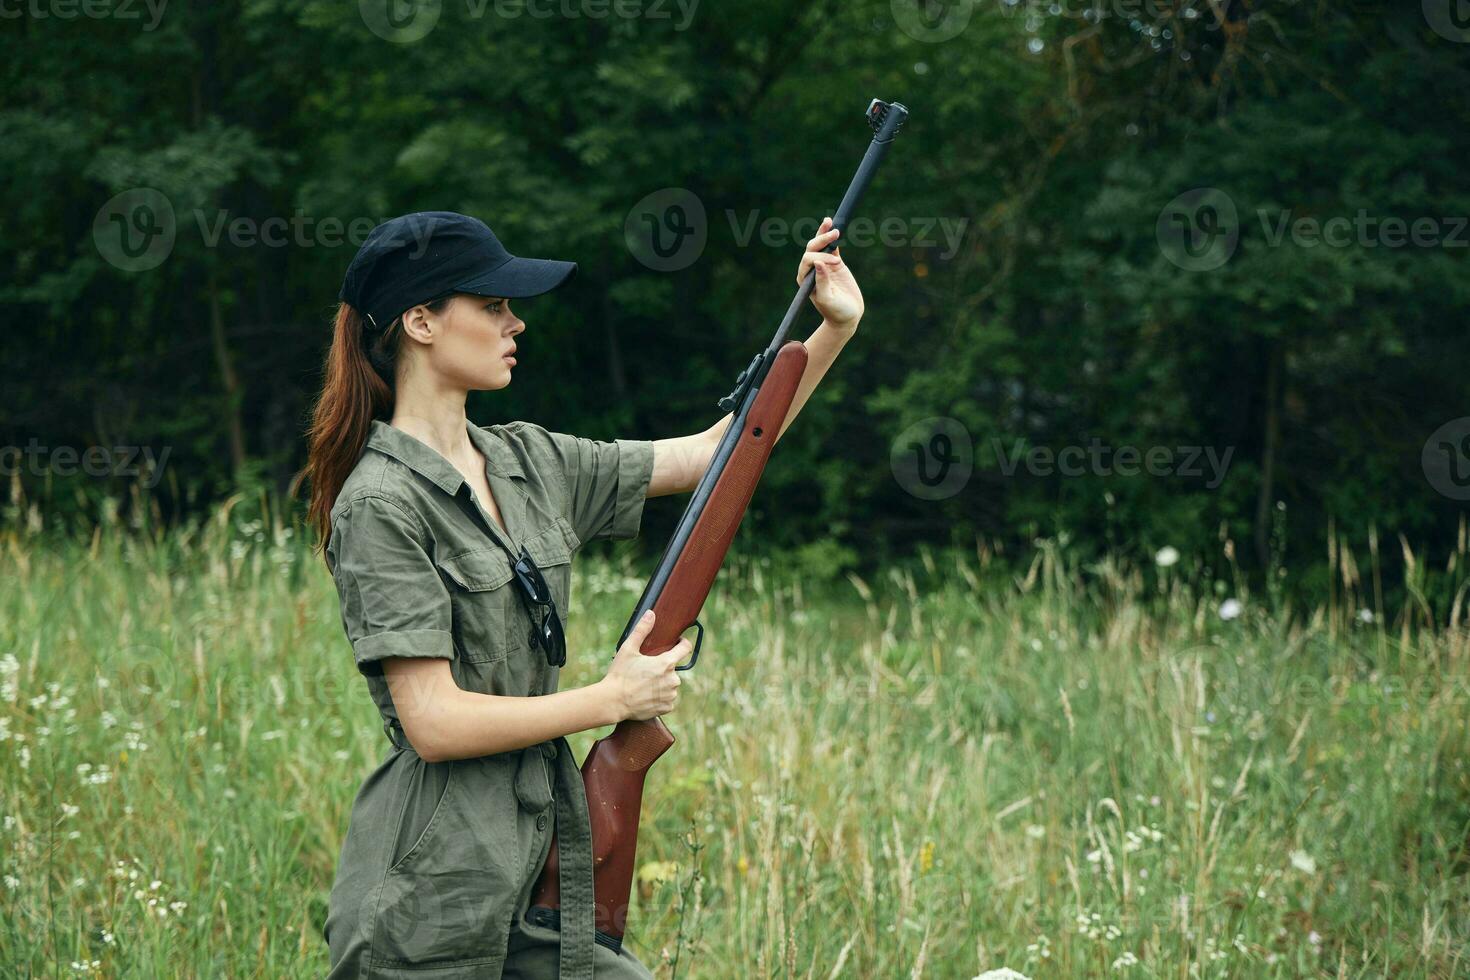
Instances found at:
x=945 y=769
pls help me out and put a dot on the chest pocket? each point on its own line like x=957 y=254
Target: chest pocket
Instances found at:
x=490 y=620
x=482 y=596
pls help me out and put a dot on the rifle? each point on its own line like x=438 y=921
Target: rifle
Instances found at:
x=615 y=767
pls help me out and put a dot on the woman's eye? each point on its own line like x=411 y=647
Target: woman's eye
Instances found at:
x=495 y=306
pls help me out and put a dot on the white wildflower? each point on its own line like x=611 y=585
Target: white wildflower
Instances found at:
x=1230 y=609
x=1166 y=557
x=1004 y=973
x=1365 y=615
x=1125 y=961
x=1303 y=862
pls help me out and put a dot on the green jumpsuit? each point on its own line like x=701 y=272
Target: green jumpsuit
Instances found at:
x=437 y=867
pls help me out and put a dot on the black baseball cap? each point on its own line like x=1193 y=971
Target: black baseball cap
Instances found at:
x=425 y=256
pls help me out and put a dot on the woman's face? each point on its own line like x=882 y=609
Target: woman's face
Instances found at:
x=474 y=341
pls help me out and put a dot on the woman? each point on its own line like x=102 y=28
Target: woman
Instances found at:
x=450 y=545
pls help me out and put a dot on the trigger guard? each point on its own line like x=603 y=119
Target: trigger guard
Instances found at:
x=698 y=640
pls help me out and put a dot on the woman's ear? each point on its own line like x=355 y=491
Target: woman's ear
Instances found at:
x=420 y=324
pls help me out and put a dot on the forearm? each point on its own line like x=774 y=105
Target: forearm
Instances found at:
x=822 y=348
x=679 y=463
x=470 y=725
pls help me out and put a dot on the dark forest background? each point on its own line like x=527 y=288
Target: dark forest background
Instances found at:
x=1135 y=185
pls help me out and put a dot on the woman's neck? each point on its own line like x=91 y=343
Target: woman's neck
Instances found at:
x=435 y=418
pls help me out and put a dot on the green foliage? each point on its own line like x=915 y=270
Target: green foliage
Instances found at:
x=1048 y=316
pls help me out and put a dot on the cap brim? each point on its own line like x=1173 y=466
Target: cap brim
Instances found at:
x=520 y=277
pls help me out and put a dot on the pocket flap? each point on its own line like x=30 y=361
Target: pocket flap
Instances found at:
x=478 y=570
x=550 y=546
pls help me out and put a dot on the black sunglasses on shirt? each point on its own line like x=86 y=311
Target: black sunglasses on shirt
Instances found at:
x=534 y=591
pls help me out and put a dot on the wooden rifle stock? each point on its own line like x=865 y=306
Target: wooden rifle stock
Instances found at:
x=614 y=769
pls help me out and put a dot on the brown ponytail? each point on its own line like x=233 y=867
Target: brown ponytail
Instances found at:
x=357 y=389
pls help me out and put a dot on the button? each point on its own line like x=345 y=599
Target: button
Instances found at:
x=548 y=749
x=541 y=822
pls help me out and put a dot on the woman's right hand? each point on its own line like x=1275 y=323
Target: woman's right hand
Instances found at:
x=642 y=686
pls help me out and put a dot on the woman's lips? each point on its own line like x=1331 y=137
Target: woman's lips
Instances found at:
x=510 y=358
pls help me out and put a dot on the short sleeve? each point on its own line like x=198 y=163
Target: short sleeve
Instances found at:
x=394 y=604
x=607 y=483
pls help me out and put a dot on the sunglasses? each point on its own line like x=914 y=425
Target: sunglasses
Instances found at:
x=547 y=634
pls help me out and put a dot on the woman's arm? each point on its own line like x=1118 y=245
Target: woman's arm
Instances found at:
x=678 y=463
x=443 y=721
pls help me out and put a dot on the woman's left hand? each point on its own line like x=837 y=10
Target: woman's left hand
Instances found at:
x=836 y=294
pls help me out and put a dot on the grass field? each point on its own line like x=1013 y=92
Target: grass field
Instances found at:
x=931 y=773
